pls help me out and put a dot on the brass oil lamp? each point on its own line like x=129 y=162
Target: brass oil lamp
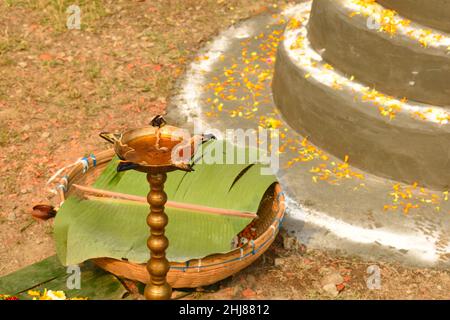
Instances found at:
x=155 y=150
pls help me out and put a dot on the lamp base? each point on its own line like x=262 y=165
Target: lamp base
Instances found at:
x=155 y=292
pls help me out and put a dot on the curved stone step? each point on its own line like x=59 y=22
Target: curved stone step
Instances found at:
x=401 y=59
x=432 y=13
x=401 y=140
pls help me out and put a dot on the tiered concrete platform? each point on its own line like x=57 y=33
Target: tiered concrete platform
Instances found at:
x=365 y=171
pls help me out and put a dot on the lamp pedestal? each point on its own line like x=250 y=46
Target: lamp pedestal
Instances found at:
x=158 y=265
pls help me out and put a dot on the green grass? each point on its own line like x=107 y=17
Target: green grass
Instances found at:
x=53 y=12
x=94 y=70
x=5 y=62
x=74 y=94
x=12 y=44
x=93 y=109
x=4 y=137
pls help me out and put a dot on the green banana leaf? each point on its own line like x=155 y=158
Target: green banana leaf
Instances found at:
x=96 y=284
x=86 y=229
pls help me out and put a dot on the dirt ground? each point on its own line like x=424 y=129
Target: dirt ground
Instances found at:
x=59 y=88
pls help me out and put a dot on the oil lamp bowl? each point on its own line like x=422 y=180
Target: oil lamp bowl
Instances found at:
x=153 y=150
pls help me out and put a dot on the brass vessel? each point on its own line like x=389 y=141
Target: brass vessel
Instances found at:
x=155 y=150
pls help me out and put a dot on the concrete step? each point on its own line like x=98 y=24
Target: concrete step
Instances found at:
x=432 y=13
x=401 y=140
x=399 y=57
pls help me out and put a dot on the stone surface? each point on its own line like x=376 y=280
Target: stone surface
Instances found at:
x=279 y=262
x=331 y=290
x=289 y=242
x=11 y=216
x=333 y=278
x=348 y=215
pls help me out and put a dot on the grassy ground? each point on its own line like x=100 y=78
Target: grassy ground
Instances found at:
x=60 y=88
